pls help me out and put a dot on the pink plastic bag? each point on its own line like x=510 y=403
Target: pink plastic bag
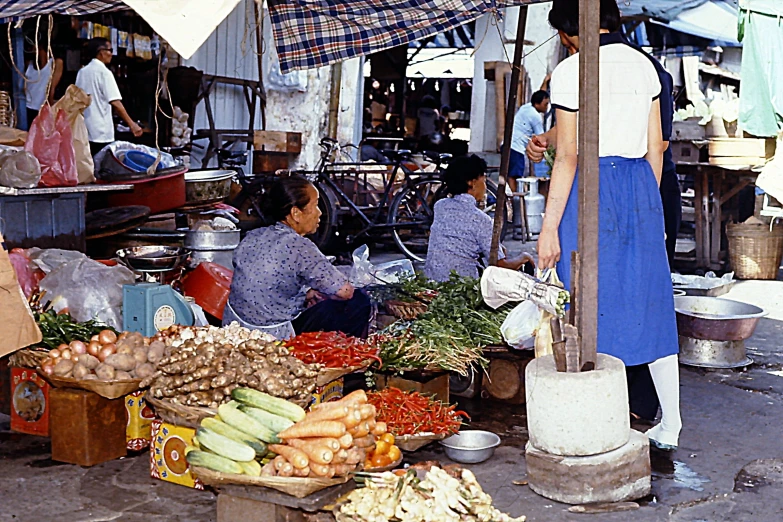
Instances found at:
x=51 y=142
x=27 y=273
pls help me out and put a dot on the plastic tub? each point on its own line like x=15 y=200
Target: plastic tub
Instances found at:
x=160 y=194
x=209 y=284
x=138 y=161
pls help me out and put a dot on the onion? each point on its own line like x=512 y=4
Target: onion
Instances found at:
x=106 y=350
x=122 y=336
x=107 y=337
x=56 y=353
x=94 y=338
x=78 y=347
x=93 y=348
x=75 y=357
x=65 y=354
x=48 y=369
x=63 y=347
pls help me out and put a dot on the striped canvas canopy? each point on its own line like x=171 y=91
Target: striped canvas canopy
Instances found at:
x=11 y=10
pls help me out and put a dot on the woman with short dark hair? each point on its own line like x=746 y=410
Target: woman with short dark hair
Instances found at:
x=461 y=234
x=282 y=283
x=636 y=320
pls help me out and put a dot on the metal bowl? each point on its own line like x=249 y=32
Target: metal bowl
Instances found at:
x=206 y=186
x=153 y=258
x=210 y=240
x=471 y=447
x=715 y=319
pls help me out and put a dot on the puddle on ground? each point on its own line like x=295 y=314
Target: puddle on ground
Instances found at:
x=663 y=467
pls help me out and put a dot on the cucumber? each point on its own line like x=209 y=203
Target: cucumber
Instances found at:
x=275 y=405
x=274 y=422
x=212 y=423
x=251 y=468
x=225 y=447
x=213 y=462
x=246 y=424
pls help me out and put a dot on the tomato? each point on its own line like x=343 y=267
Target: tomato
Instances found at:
x=394 y=453
x=382 y=447
x=388 y=437
x=379 y=461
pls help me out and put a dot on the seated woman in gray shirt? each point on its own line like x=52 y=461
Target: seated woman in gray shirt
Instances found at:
x=461 y=233
x=282 y=283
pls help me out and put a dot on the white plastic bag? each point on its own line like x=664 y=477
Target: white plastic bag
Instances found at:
x=519 y=327
x=362 y=269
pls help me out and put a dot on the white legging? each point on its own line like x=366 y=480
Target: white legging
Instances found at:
x=665 y=374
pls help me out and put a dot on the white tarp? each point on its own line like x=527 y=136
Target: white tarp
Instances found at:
x=713 y=20
x=184 y=24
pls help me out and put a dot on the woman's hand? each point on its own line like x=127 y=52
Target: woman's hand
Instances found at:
x=548 y=248
x=314 y=297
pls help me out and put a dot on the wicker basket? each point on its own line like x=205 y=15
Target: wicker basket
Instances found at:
x=754 y=251
x=178 y=414
x=27 y=358
x=7 y=118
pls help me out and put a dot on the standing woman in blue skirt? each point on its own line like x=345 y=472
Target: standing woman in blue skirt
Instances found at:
x=636 y=321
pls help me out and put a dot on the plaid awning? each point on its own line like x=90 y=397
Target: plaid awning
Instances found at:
x=11 y=10
x=314 y=33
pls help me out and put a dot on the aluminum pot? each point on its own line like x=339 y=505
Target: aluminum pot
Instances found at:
x=713 y=354
x=471 y=446
x=207 y=186
x=153 y=258
x=209 y=240
x=715 y=319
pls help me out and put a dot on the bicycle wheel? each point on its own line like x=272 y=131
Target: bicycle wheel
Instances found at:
x=491 y=203
x=326 y=238
x=412 y=213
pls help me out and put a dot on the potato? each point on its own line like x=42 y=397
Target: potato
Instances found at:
x=135 y=339
x=80 y=371
x=124 y=348
x=121 y=362
x=89 y=361
x=140 y=354
x=104 y=372
x=64 y=367
x=144 y=370
x=90 y=377
x=122 y=376
x=155 y=352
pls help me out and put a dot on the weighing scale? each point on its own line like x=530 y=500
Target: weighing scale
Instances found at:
x=149 y=306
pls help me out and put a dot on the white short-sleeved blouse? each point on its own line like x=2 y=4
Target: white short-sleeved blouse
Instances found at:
x=628 y=86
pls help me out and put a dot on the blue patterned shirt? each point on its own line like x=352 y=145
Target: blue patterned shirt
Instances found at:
x=460 y=239
x=274 y=267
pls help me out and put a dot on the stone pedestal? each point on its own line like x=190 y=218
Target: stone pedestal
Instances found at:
x=616 y=476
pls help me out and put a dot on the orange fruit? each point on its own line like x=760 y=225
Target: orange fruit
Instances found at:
x=379 y=461
x=382 y=447
x=388 y=437
x=394 y=453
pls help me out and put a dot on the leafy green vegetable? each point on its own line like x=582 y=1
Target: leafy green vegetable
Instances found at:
x=57 y=329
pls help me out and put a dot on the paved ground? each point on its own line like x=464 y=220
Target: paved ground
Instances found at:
x=729 y=466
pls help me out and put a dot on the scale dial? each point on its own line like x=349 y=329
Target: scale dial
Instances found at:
x=165 y=316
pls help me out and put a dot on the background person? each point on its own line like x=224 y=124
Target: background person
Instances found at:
x=37 y=76
x=97 y=80
x=528 y=122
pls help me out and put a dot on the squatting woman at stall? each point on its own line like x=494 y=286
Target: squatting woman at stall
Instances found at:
x=636 y=320
x=282 y=283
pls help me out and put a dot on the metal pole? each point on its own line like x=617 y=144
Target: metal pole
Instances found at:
x=505 y=153
x=259 y=12
x=20 y=101
x=587 y=292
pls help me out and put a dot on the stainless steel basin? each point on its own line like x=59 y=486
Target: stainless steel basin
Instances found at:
x=715 y=319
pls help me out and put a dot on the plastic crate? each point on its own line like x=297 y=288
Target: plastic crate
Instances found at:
x=44 y=221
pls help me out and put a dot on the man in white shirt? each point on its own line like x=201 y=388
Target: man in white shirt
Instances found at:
x=527 y=122
x=97 y=80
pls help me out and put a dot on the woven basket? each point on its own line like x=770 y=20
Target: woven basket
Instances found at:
x=178 y=414
x=6 y=110
x=405 y=311
x=754 y=251
x=296 y=487
x=27 y=358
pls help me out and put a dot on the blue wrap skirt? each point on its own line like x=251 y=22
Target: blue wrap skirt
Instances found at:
x=636 y=320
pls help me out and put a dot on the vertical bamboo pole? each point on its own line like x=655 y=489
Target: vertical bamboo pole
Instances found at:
x=587 y=293
x=500 y=204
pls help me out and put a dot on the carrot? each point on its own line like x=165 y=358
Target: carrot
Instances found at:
x=380 y=428
x=327 y=442
x=287 y=471
x=352 y=419
x=364 y=442
x=304 y=429
x=371 y=423
x=322 y=471
x=357 y=396
x=302 y=472
x=279 y=462
x=315 y=452
x=367 y=411
x=339 y=457
x=268 y=470
x=340 y=470
x=296 y=457
x=346 y=441
x=328 y=414
x=362 y=430
x=324 y=406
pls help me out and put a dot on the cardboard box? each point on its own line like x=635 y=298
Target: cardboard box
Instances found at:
x=138 y=433
x=277 y=141
x=19 y=326
x=742 y=148
x=167 y=454
x=430 y=383
x=30 y=402
x=328 y=392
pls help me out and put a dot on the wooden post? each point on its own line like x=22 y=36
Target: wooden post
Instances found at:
x=587 y=293
x=500 y=204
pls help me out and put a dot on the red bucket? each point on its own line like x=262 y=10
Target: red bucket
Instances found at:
x=209 y=284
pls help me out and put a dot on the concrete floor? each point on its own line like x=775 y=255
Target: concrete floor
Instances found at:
x=729 y=466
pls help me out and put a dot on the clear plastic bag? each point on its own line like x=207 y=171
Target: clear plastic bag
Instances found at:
x=364 y=273
x=362 y=270
x=19 y=169
x=519 y=327
x=89 y=290
x=51 y=142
